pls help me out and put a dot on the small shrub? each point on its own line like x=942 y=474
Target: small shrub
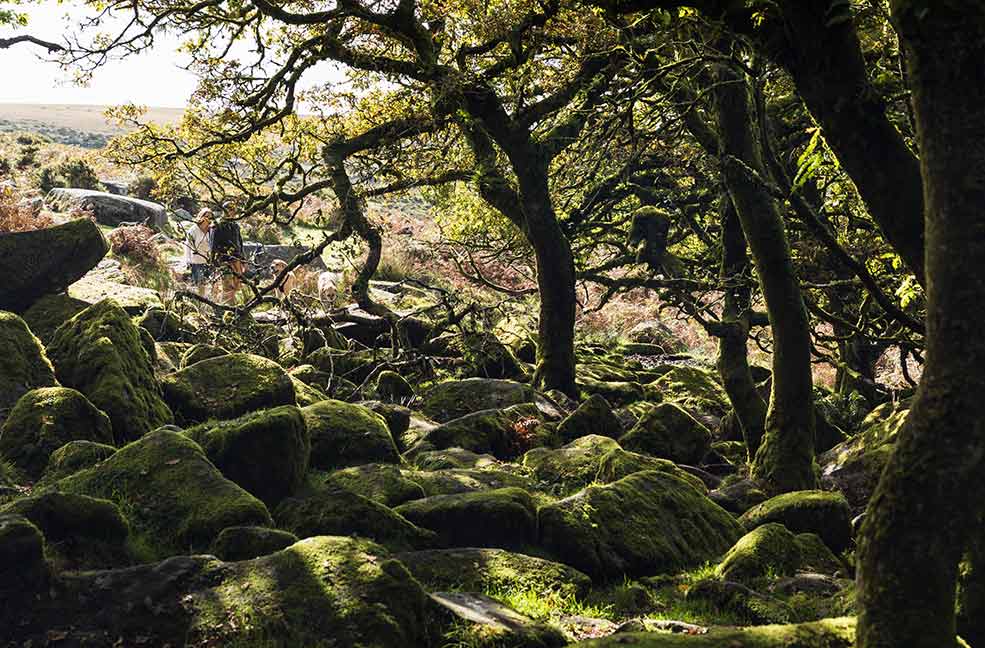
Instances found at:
x=79 y=174
x=143 y=188
x=28 y=157
x=5 y=166
x=14 y=218
x=134 y=243
x=48 y=178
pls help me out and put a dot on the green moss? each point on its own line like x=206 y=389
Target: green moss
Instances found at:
x=493 y=570
x=571 y=467
x=455 y=398
x=307 y=395
x=619 y=463
x=649 y=522
x=50 y=312
x=163 y=325
x=265 y=452
x=394 y=388
x=351 y=365
x=247 y=542
x=486 y=431
x=227 y=386
x=23 y=568
x=73 y=457
x=344 y=434
x=99 y=353
x=697 y=390
x=824 y=513
x=769 y=549
x=382 y=483
x=828 y=633
x=617 y=392
x=198 y=352
x=594 y=416
x=332 y=511
x=169 y=355
x=453 y=458
x=174 y=498
x=44 y=420
x=23 y=363
x=667 y=431
x=504 y=517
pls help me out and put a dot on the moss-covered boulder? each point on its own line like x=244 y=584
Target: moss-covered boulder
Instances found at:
x=383 y=483
x=305 y=394
x=656 y=333
x=454 y=481
x=772 y=550
x=824 y=513
x=44 y=261
x=227 y=386
x=23 y=568
x=397 y=417
x=51 y=311
x=23 y=363
x=617 y=392
x=486 y=431
x=504 y=518
x=667 y=431
x=647 y=523
x=172 y=495
x=696 y=389
x=73 y=457
x=453 y=458
x=572 y=466
x=476 y=569
x=248 y=542
x=265 y=452
x=164 y=325
x=80 y=531
x=336 y=511
x=345 y=434
x=169 y=354
x=355 y=366
x=456 y=398
x=99 y=353
x=317 y=592
x=619 y=463
x=594 y=416
x=393 y=388
x=45 y=419
x=738 y=496
x=198 y=352
x=827 y=633
x=487 y=357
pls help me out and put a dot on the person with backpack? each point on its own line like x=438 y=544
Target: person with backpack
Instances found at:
x=228 y=254
x=198 y=249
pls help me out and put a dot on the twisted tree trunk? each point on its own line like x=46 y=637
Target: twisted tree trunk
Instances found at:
x=930 y=496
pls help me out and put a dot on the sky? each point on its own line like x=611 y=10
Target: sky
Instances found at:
x=154 y=78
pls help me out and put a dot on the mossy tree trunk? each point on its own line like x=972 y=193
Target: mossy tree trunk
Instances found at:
x=785 y=459
x=930 y=496
x=733 y=338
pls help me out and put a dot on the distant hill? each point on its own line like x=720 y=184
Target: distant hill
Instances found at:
x=79 y=125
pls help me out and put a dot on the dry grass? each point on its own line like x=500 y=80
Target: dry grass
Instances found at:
x=15 y=218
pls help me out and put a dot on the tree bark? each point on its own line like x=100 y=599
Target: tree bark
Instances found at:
x=785 y=460
x=929 y=497
x=733 y=353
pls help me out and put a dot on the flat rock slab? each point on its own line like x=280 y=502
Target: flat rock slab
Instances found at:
x=479 y=608
x=107 y=208
x=134 y=299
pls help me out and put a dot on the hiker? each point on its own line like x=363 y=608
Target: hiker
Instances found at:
x=227 y=252
x=198 y=250
x=287 y=283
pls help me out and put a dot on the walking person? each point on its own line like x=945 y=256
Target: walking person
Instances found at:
x=228 y=254
x=198 y=250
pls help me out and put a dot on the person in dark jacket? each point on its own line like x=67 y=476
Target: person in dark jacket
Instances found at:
x=227 y=252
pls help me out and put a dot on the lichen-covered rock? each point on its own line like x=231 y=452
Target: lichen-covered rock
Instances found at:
x=345 y=434
x=96 y=287
x=173 y=497
x=198 y=352
x=44 y=420
x=51 y=311
x=336 y=511
x=669 y=432
x=505 y=518
x=46 y=261
x=393 y=388
x=476 y=569
x=23 y=568
x=73 y=457
x=99 y=353
x=317 y=592
x=594 y=416
x=824 y=513
x=771 y=550
x=456 y=398
x=23 y=363
x=827 y=633
x=305 y=394
x=647 y=523
x=696 y=389
x=265 y=452
x=385 y=484
x=248 y=542
x=227 y=386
